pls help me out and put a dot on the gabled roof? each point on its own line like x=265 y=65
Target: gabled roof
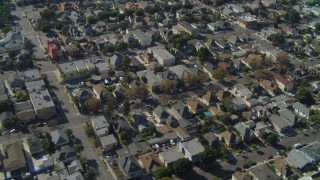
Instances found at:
x=193 y=146
x=208 y=97
x=161 y=112
x=302 y=108
x=65 y=153
x=281 y=79
x=59 y=137
x=138 y=147
x=179 y=70
x=129 y=164
x=263 y=172
x=181 y=109
x=281 y=167
x=194 y=105
x=150 y=161
x=243 y=130
x=288 y=116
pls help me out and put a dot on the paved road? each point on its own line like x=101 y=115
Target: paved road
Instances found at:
x=27 y=31
x=224 y=168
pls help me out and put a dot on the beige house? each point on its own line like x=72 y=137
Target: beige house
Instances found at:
x=13 y=157
x=75 y=69
x=283 y=83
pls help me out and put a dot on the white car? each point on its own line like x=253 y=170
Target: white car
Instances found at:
x=13 y=130
x=297 y=146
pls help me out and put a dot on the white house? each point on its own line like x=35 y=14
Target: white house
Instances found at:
x=164 y=57
x=191 y=149
x=301 y=110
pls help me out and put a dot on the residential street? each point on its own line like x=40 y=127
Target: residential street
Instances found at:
x=67 y=115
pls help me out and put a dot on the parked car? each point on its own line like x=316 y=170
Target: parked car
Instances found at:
x=13 y=130
x=297 y=145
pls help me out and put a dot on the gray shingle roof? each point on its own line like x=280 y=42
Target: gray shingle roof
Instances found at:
x=302 y=108
x=59 y=137
x=129 y=164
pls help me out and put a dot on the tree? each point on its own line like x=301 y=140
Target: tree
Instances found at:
x=89 y=174
x=47 y=14
x=304 y=95
x=162 y=172
x=190 y=80
x=149 y=131
x=293 y=16
x=317 y=26
x=208 y=156
x=69 y=132
x=92 y=104
x=204 y=54
x=283 y=59
x=79 y=148
x=224 y=153
x=47 y=143
x=12 y=54
x=89 y=130
x=262 y=74
x=220 y=74
x=182 y=166
x=92 y=19
x=126 y=108
x=168 y=85
x=228 y=104
x=59 y=26
x=139 y=12
x=5 y=29
x=45 y=27
x=272 y=138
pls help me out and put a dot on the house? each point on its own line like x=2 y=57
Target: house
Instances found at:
x=35 y=86
x=239 y=104
x=208 y=99
x=116 y=61
x=150 y=161
x=137 y=148
x=148 y=77
x=212 y=140
x=83 y=95
x=181 y=71
x=108 y=142
x=269 y=86
x=262 y=129
x=221 y=94
x=100 y=126
x=161 y=115
x=53 y=49
x=140 y=120
x=33 y=145
x=130 y=166
x=231 y=139
x=15 y=82
x=263 y=172
x=66 y=155
x=283 y=83
x=247 y=21
x=242 y=91
x=12 y=156
x=168 y=156
x=121 y=125
x=299 y=160
x=181 y=111
x=31 y=75
x=163 y=57
x=24 y=111
x=43 y=105
x=59 y=138
x=301 y=110
x=218 y=26
x=223 y=65
x=194 y=106
x=187 y=28
x=287 y=115
x=282 y=169
x=246 y=134
x=143 y=38
x=5 y=117
x=241 y=175
x=74 y=167
x=191 y=149
x=75 y=69
x=279 y=124
x=102 y=93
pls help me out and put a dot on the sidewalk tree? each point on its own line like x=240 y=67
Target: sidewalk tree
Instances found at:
x=208 y=156
x=182 y=166
x=220 y=74
x=304 y=95
x=92 y=104
x=272 y=138
x=168 y=85
x=89 y=174
x=47 y=14
x=162 y=172
x=204 y=54
x=126 y=108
